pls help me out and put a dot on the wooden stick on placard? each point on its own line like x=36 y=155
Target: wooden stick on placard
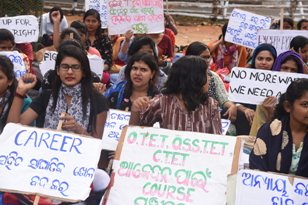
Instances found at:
x=281 y=18
x=167 y=6
x=36 y=200
x=239 y=57
x=59 y=127
x=116 y=157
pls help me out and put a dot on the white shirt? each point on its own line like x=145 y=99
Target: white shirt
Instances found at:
x=46 y=26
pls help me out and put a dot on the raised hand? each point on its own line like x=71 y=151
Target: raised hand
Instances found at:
x=26 y=83
x=55 y=17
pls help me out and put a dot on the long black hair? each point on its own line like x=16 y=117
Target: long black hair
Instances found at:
x=294 y=91
x=147 y=59
x=187 y=77
x=138 y=43
x=6 y=35
x=6 y=66
x=196 y=48
x=87 y=88
x=298 y=42
x=93 y=12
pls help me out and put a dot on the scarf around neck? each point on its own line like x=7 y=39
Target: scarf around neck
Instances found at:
x=74 y=109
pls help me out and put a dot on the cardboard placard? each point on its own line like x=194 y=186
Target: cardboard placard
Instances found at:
x=115 y=122
x=101 y=7
x=138 y=15
x=254 y=187
x=162 y=166
x=280 y=39
x=48 y=169
x=96 y=65
x=24 y=28
x=243 y=27
x=48 y=62
x=254 y=85
x=18 y=62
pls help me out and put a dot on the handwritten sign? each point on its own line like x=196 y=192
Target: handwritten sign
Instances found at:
x=24 y=28
x=116 y=120
x=19 y=64
x=243 y=27
x=101 y=7
x=280 y=39
x=48 y=169
x=160 y=166
x=49 y=61
x=96 y=65
x=253 y=86
x=255 y=187
x=137 y=15
x=225 y=124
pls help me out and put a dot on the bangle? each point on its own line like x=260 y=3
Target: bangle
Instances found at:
x=19 y=95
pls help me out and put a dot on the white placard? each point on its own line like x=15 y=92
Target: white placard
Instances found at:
x=225 y=124
x=96 y=65
x=116 y=121
x=18 y=62
x=138 y=15
x=254 y=85
x=48 y=62
x=24 y=28
x=255 y=187
x=160 y=166
x=280 y=39
x=47 y=162
x=101 y=7
x=243 y=27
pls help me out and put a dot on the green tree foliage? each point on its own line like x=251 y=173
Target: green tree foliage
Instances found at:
x=21 y=7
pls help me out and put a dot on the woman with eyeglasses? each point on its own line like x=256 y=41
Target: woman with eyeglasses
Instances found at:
x=72 y=99
x=216 y=86
x=72 y=94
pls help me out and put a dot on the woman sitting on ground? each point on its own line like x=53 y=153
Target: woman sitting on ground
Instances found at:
x=140 y=74
x=185 y=104
x=217 y=89
x=281 y=145
x=288 y=61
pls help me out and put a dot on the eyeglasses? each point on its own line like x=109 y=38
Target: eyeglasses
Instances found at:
x=74 y=67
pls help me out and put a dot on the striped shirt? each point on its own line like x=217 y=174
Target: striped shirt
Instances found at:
x=167 y=110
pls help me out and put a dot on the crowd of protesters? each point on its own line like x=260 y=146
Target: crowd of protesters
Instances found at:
x=142 y=76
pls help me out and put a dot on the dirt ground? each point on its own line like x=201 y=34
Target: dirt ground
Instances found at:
x=193 y=30
x=205 y=34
